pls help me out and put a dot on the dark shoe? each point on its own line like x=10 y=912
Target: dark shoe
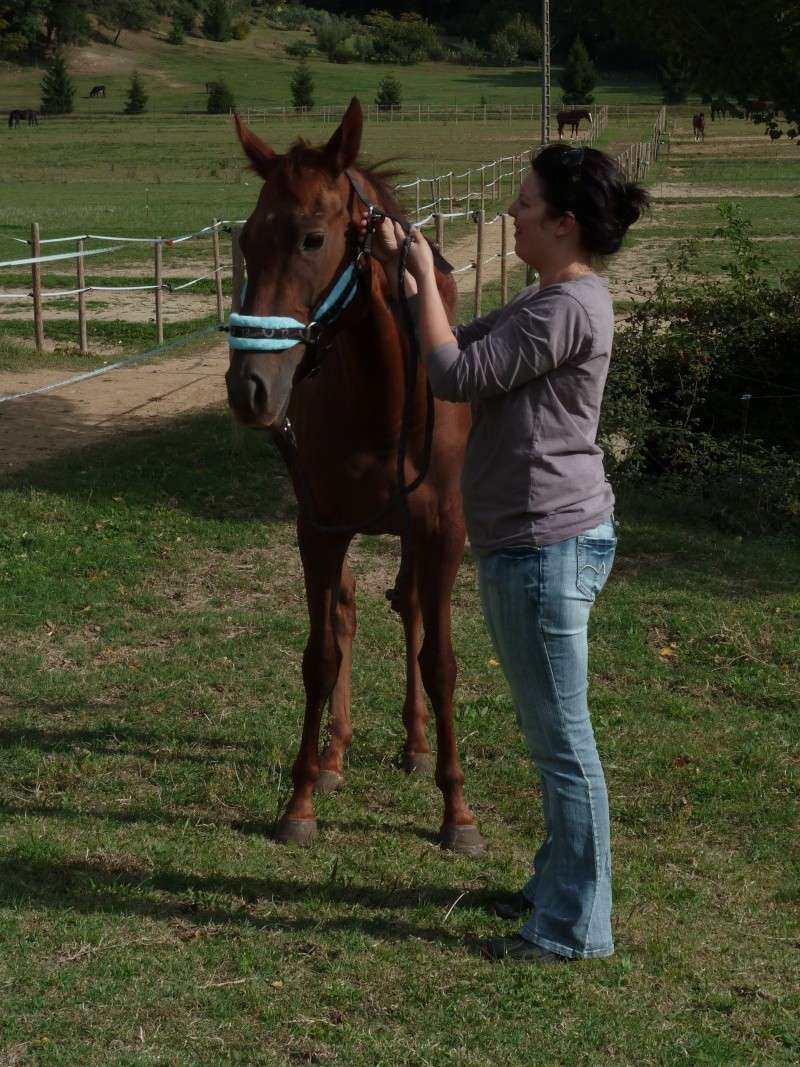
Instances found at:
x=518 y=948
x=514 y=906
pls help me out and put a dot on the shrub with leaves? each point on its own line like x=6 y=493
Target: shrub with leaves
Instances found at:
x=390 y=94
x=527 y=37
x=220 y=99
x=299 y=49
x=469 y=54
x=705 y=381
x=405 y=41
x=503 y=51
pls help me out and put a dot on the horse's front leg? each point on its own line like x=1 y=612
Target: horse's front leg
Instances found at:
x=323 y=558
x=417 y=757
x=340 y=729
x=439 y=560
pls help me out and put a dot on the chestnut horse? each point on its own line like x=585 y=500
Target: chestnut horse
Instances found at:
x=332 y=394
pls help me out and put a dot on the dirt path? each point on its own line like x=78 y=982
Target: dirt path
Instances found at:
x=35 y=427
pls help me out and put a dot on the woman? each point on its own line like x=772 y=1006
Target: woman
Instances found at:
x=539 y=513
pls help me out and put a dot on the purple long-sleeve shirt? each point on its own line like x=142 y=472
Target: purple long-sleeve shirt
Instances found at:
x=534 y=372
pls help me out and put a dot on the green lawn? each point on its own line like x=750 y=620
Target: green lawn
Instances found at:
x=153 y=623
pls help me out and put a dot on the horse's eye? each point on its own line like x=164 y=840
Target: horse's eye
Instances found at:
x=313 y=241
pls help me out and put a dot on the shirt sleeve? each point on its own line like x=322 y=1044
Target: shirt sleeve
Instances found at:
x=473 y=331
x=539 y=337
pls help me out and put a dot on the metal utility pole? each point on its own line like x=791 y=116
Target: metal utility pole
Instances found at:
x=545 y=72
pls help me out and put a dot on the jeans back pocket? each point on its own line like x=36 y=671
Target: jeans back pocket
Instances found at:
x=595 y=560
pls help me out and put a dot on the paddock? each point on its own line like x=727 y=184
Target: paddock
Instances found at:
x=153 y=628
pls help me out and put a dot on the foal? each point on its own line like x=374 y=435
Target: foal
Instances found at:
x=331 y=392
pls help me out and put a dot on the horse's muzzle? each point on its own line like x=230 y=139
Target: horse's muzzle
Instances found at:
x=259 y=385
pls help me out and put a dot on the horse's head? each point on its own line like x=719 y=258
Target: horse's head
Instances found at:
x=293 y=244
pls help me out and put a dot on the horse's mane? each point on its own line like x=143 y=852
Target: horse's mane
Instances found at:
x=303 y=154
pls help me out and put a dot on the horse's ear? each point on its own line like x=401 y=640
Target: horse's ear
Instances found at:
x=260 y=155
x=341 y=151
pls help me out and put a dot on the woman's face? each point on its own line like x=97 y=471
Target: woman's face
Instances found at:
x=534 y=229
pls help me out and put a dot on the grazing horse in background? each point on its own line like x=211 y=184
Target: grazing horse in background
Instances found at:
x=573 y=120
x=22 y=114
x=332 y=394
x=699 y=126
x=98 y=90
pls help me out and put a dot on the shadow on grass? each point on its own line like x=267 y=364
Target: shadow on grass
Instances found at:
x=116 y=740
x=91 y=886
x=201 y=464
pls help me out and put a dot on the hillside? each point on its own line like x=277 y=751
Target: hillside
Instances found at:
x=258 y=71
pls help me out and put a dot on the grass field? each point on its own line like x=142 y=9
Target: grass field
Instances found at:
x=153 y=623
x=152 y=628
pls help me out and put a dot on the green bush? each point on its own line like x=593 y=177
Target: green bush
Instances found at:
x=404 y=41
x=526 y=36
x=390 y=94
x=469 y=54
x=503 y=50
x=685 y=361
x=220 y=99
x=217 y=21
x=177 y=34
x=299 y=49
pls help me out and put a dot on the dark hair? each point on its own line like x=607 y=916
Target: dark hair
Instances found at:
x=588 y=183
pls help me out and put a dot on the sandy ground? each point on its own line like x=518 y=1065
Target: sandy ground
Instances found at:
x=35 y=427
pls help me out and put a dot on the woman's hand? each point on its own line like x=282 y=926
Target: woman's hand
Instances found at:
x=384 y=241
x=386 y=244
x=419 y=263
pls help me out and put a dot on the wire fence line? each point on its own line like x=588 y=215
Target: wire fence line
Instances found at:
x=433 y=201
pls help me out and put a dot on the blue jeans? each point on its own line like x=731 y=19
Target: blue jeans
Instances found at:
x=536 y=602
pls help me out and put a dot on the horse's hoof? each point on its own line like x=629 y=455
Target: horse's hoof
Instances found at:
x=328 y=782
x=295 y=831
x=419 y=763
x=463 y=839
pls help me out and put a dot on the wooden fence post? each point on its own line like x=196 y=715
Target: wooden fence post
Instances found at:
x=83 y=341
x=503 y=259
x=450 y=189
x=158 y=252
x=439 y=231
x=36 y=286
x=237 y=270
x=217 y=271
x=479 y=263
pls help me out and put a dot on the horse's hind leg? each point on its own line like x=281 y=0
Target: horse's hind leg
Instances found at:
x=340 y=730
x=439 y=560
x=323 y=558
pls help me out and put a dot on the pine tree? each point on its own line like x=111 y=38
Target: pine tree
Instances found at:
x=176 y=33
x=217 y=23
x=220 y=99
x=390 y=95
x=137 y=97
x=57 y=88
x=302 y=86
x=579 y=76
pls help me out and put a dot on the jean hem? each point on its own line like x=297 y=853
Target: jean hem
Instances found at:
x=570 y=953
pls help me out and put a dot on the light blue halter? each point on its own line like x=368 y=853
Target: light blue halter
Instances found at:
x=273 y=333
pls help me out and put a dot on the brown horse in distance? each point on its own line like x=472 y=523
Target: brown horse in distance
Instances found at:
x=346 y=421
x=699 y=126
x=573 y=120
